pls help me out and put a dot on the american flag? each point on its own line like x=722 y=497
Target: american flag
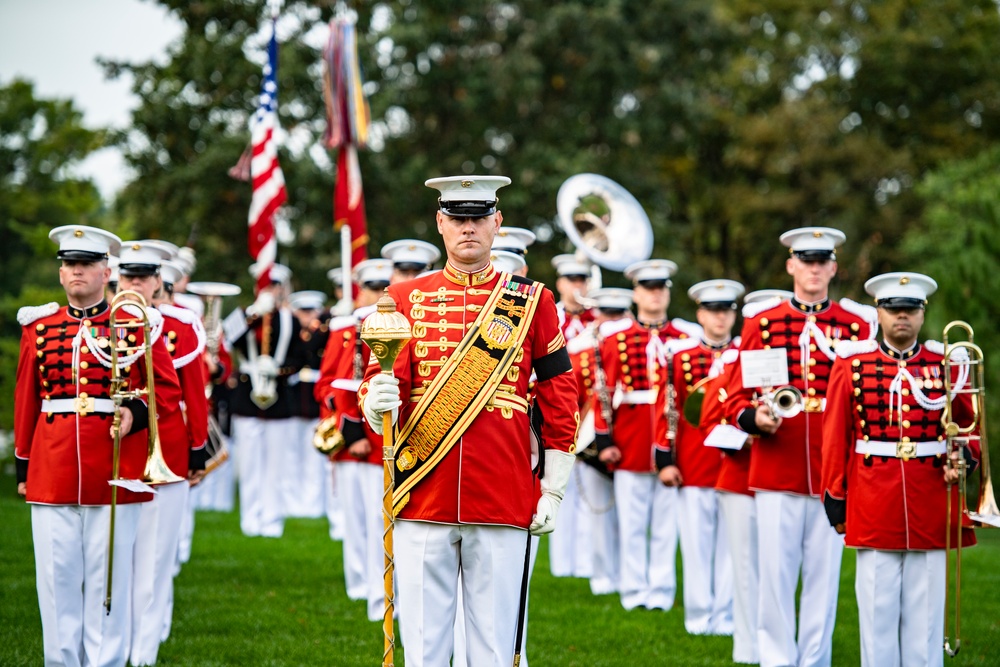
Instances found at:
x=269 y=190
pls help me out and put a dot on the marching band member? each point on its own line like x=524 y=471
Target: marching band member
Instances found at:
x=736 y=506
x=410 y=258
x=182 y=437
x=596 y=490
x=515 y=240
x=63 y=449
x=306 y=481
x=708 y=576
x=570 y=549
x=886 y=475
x=792 y=532
x=646 y=504
x=266 y=337
x=465 y=490
x=358 y=464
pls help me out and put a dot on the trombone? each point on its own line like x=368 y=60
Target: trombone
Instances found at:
x=156 y=470
x=967 y=359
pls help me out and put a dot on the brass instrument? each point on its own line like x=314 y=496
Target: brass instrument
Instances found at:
x=695 y=399
x=784 y=402
x=604 y=221
x=156 y=470
x=987 y=513
x=212 y=294
x=328 y=440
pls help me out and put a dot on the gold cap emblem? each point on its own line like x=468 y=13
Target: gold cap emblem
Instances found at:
x=136 y=246
x=78 y=233
x=904 y=280
x=468 y=184
x=817 y=234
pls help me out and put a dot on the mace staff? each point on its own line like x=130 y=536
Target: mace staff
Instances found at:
x=386 y=332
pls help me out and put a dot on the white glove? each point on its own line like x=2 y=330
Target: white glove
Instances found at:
x=383 y=394
x=558 y=466
x=262 y=306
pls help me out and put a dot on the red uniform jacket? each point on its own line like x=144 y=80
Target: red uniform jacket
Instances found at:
x=632 y=360
x=734 y=472
x=789 y=460
x=892 y=503
x=66 y=457
x=183 y=433
x=573 y=324
x=486 y=478
x=693 y=360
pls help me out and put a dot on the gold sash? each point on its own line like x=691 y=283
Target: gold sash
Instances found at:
x=465 y=383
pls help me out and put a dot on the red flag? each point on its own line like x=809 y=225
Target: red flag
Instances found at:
x=269 y=191
x=349 y=203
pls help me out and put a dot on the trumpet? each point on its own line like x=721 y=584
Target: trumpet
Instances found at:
x=784 y=402
x=967 y=359
x=156 y=470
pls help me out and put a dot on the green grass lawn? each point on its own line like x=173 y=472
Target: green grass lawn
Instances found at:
x=243 y=601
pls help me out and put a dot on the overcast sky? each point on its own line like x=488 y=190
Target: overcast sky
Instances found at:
x=54 y=43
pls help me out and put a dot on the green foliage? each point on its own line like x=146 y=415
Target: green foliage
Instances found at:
x=257 y=601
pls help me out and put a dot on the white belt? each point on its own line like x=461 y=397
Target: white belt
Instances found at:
x=83 y=406
x=901 y=450
x=305 y=375
x=637 y=397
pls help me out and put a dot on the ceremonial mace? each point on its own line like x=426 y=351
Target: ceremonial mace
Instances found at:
x=385 y=332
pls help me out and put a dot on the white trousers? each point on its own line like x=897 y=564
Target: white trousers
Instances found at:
x=902 y=624
x=153 y=570
x=71 y=557
x=187 y=532
x=261 y=448
x=217 y=491
x=739 y=519
x=332 y=503
x=793 y=533
x=708 y=571
x=647 y=520
x=305 y=476
x=429 y=558
x=460 y=657
x=570 y=550
x=597 y=493
x=364 y=561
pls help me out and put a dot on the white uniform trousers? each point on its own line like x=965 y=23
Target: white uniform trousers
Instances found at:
x=902 y=624
x=364 y=560
x=304 y=478
x=708 y=570
x=570 y=550
x=738 y=513
x=332 y=503
x=792 y=533
x=429 y=558
x=217 y=491
x=460 y=656
x=597 y=493
x=71 y=558
x=153 y=570
x=261 y=445
x=647 y=520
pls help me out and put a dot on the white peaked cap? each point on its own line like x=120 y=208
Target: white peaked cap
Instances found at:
x=186 y=259
x=767 y=295
x=411 y=251
x=901 y=289
x=166 y=245
x=507 y=261
x=373 y=271
x=716 y=291
x=611 y=298
x=813 y=242
x=651 y=269
x=513 y=239
x=135 y=254
x=570 y=265
x=279 y=272
x=84 y=243
x=336 y=276
x=307 y=300
x=468 y=196
x=113 y=265
x=171 y=271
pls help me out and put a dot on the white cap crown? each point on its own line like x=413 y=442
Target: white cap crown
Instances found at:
x=507 y=261
x=468 y=196
x=611 y=298
x=306 y=300
x=513 y=239
x=411 y=251
x=716 y=291
x=570 y=265
x=815 y=243
x=84 y=243
x=901 y=289
x=373 y=271
x=651 y=269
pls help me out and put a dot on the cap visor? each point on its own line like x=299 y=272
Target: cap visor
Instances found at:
x=138 y=269
x=815 y=255
x=900 y=303
x=718 y=305
x=468 y=209
x=81 y=255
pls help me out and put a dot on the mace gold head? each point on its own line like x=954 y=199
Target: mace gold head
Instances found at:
x=385 y=332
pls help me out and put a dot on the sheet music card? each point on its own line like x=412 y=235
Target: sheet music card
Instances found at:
x=764 y=368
